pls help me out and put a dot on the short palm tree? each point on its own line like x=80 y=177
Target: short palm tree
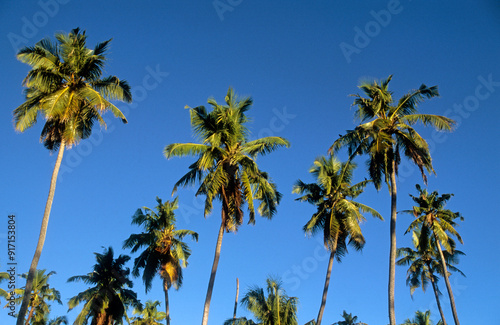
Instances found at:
x=226 y=168
x=349 y=320
x=385 y=134
x=3 y=292
x=66 y=88
x=338 y=215
x=432 y=219
x=165 y=253
x=421 y=319
x=106 y=302
x=276 y=308
x=149 y=315
x=41 y=294
x=425 y=265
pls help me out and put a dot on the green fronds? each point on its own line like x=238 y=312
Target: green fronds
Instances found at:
x=264 y=146
x=184 y=149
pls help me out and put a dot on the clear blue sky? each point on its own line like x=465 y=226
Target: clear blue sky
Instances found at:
x=299 y=60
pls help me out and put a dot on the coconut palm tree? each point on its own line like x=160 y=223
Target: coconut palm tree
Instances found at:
x=3 y=292
x=65 y=86
x=106 y=302
x=349 y=320
x=149 y=315
x=165 y=253
x=338 y=215
x=425 y=264
x=276 y=308
x=385 y=134
x=226 y=168
x=421 y=319
x=432 y=219
x=41 y=294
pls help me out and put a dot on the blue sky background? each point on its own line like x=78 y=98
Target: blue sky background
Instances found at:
x=290 y=57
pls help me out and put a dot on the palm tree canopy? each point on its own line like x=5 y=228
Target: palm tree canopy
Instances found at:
x=349 y=320
x=226 y=165
x=432 y=217
x=421 y=318
x=110 y=294
x=338 y=215
x=387 y=129
x=276 y=308
x=41 y=294
x=149 y=315
x=165 y=252
x=65 y=85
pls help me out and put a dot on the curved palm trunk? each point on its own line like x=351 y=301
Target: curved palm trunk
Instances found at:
x=392 y=254
x=30 y=315
x=41 y=238
x=437 y=300
x=447 y=281
x=167 y=311
x=212 y=275
x=236 y=300
x=325 y=289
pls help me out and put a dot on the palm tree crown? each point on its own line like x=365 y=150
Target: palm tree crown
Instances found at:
x=149 y=315
x=66 y=87
x=106 y=302
x=226 y=168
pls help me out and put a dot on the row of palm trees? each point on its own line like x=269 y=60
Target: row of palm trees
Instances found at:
x=66 y=86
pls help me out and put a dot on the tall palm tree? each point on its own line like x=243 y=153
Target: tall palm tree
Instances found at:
x=385 y=134
x=65 y=86
x=432 y=219
x=165 y=253
x=421 y=318
x=425 y=265
x=349 y=320
x=275 y=309
x=149 y=315
x=338 y=215
x=226 y=168
x=106 y=302
x=41 y=294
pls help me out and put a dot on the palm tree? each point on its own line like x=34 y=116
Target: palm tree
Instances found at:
x=65 y=86
x=338 y=215
x=424 y=266
x=165 y=253
x=226 y=168
x=3 y=292
x=349 y=320
x=106 y=302
x=149 y=315
x=386 y=133
x=421 y=319
x=41 y=294
x=432 y=219
x=275 y=309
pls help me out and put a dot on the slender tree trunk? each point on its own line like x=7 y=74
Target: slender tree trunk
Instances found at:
x=167 y=311
x=41 y=238
x=327 y=284
x=392 y=254
x=32 y=310
x=206 y=308
x=236 y=300
x=437 y=299
x=447 y=281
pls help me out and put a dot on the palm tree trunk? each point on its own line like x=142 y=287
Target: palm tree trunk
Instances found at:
x=167 y=311
x=325 y=289
x=236 y=300
x=212 y=275
x=447 y=281
x=41 y=237
x=437 y=300
x=392 y=254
